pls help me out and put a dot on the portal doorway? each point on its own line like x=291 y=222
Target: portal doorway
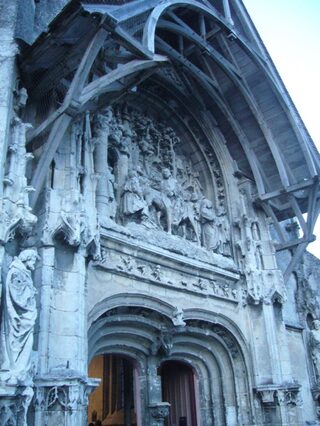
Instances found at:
x=178 y=388
x=113 y=403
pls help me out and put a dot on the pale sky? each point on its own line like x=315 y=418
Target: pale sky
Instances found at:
x=290 y=30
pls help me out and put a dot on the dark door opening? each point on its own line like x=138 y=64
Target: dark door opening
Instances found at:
x=113 y=403
x=178 y=389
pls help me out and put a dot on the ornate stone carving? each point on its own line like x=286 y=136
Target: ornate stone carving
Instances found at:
x=306 y=297
x=70 y=202
x=210 y=237
x=228 y=340
x=163 y=344
x=177 y=318
x=315 y=347
x=151 y=183
x=163 y=275
x=19 y=314
x=289 y=395
x=160 y=410
x=133 y=203
x=14 y=404
x=16 y=213
x=252 y=269
x=61 y=397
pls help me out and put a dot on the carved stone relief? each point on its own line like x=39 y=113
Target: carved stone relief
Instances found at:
x=250 y=257
x=14 y=405
x=159 y=412
x=16 y=212
x=315 y=348
x=290 y=395
x=149 y=181
x=261 y=285
x=70 y=202
x=61 y=396
x=158 y=274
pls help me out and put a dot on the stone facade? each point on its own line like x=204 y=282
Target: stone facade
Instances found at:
x=134 y=224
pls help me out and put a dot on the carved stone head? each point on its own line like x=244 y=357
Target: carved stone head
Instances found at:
x=29 y=258
x=166 y=173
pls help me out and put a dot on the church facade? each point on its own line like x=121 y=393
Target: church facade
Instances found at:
x=158 y=192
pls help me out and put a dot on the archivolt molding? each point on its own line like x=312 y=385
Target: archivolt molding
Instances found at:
x=136 y=330
x=127 y=300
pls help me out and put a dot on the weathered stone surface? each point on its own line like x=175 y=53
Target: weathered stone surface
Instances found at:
x=154 y=185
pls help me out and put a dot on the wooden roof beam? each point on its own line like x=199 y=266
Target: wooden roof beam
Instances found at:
x=227 y=12
x=294 y=243
x=185 y=30
x=77 y=84
x=208 y=85
x=190 y=34
x=99 y=86
x=280 y=192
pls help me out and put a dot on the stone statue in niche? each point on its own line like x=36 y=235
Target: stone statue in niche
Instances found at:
x=315 y=346
x=210 y=237
x=19 y=314
x=151 y=182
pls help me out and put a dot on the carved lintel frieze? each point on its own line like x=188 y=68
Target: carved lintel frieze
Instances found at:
x=164 y=275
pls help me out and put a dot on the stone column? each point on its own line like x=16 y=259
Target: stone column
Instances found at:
x=101 y=163
x=158 y=410
x=271 y=337
x=8 y=51
x=45 y=277
x=62 y=384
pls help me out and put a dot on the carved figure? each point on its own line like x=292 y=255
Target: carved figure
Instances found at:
x=192 y=182
x=186 y=216
x=178 y=317
x=19 y=314
x=162 y=190
x=156 y=273
x=169 y=196
x=125 y=141
x=224 y=236
x=315 y=346
x=111 y=186
x=210 y=238
x=133 y=203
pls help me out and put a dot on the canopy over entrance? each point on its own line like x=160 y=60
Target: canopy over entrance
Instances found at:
x=208 y=55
